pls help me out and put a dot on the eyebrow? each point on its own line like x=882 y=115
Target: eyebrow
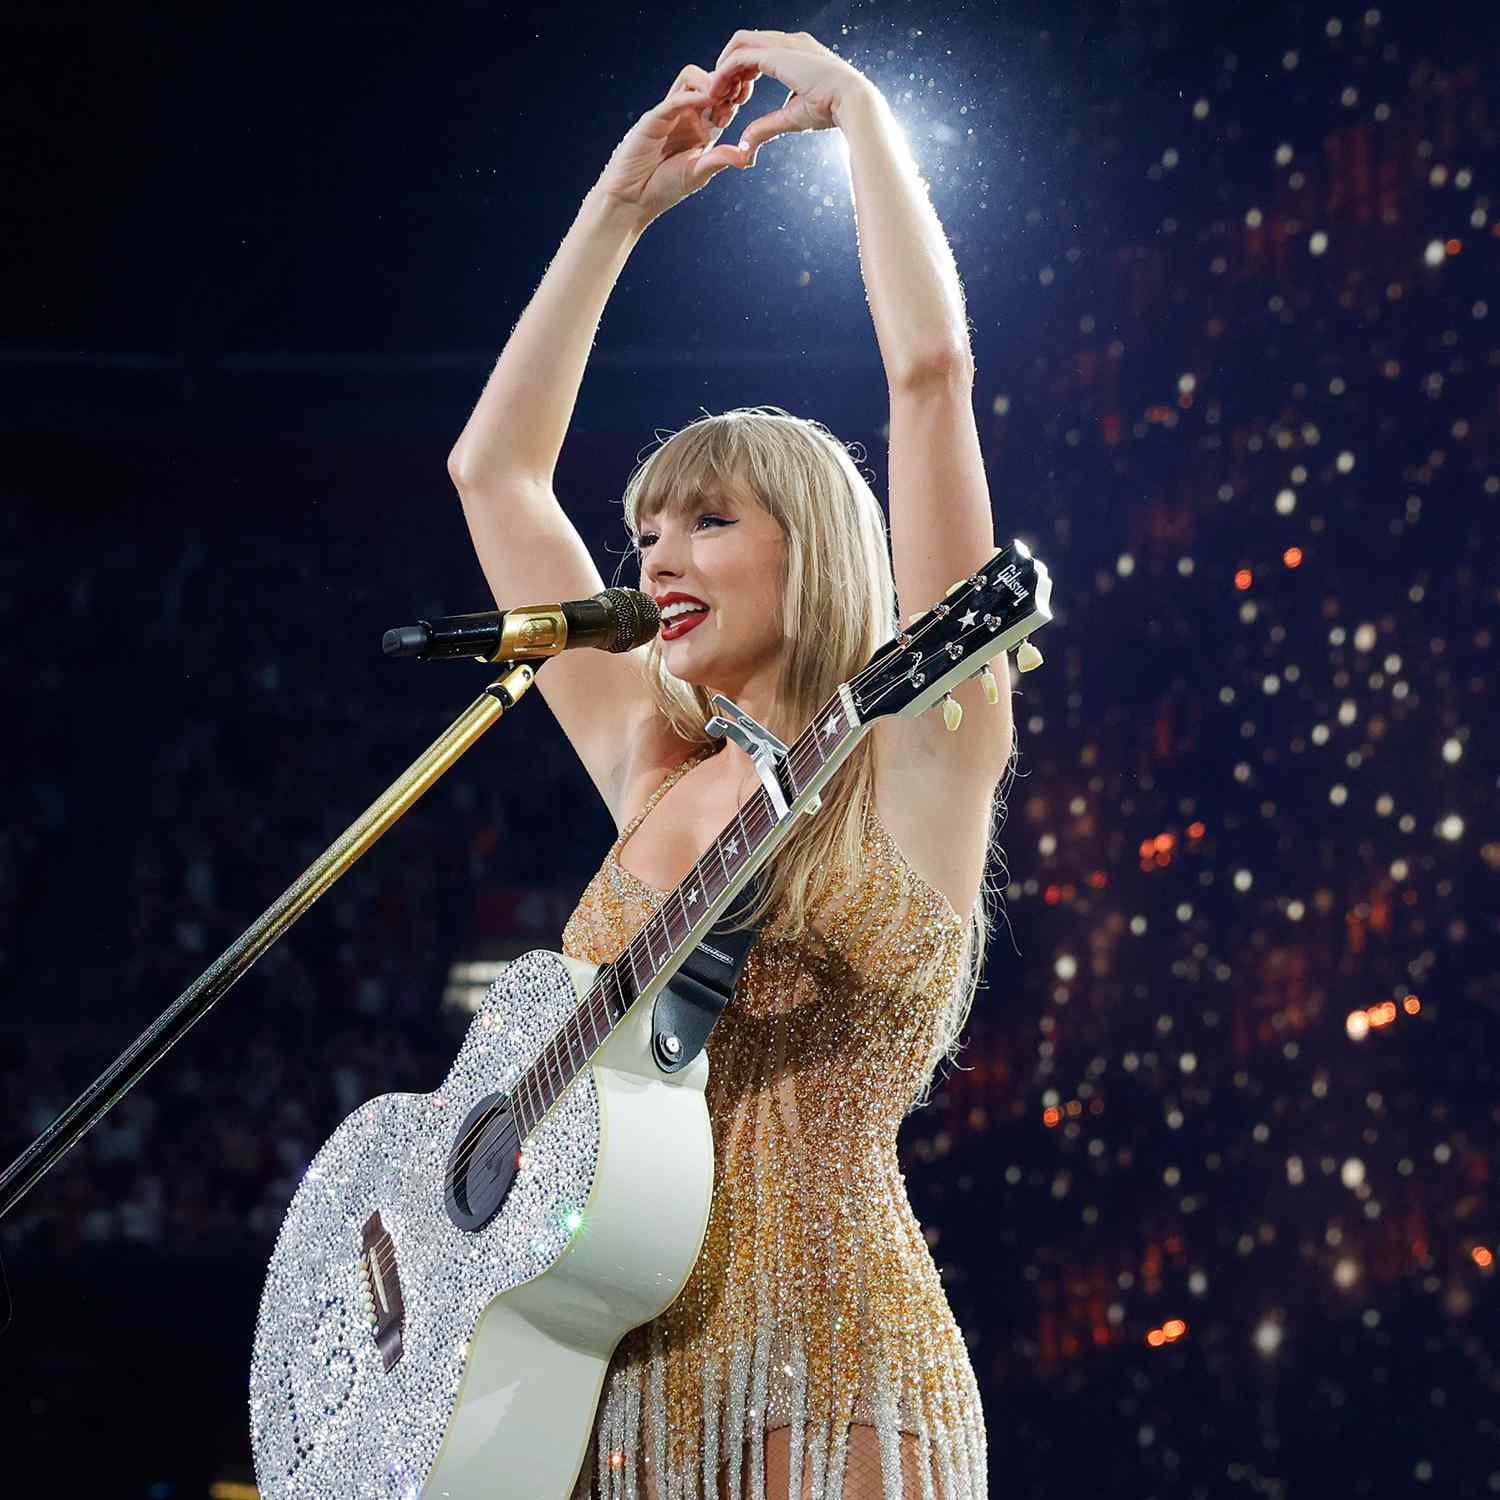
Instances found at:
x=700 y=500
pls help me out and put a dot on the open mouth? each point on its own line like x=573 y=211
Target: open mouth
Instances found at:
x=680 y=624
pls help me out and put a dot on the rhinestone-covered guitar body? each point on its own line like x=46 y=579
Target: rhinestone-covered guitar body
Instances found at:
x=397 y=1355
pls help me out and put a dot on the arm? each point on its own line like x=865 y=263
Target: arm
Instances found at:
x=942 y=528
x=916 y=301
x=516 y=431
x=504 y=460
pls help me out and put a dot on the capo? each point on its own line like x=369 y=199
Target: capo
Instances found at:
x=756 y=741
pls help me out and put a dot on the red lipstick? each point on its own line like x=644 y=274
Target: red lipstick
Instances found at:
x=680 y=624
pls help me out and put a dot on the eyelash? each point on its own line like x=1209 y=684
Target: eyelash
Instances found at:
x=646 y=538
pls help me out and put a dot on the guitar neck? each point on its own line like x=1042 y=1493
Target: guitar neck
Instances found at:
x=978 y=618
x=687 y=913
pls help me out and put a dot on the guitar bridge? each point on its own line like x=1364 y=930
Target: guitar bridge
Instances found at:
x=382 y=1289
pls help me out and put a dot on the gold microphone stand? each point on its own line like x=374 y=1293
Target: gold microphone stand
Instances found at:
x=194 y=1002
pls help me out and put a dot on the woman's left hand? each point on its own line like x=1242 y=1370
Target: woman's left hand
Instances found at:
x=819 y=80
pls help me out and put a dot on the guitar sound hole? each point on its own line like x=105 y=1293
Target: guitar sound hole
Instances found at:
x=481 y=1164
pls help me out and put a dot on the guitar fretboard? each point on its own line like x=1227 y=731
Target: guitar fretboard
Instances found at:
x=664 y=941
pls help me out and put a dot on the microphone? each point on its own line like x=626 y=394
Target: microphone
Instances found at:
x=616 y=620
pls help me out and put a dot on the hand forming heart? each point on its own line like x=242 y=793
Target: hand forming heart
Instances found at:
x=820 y=82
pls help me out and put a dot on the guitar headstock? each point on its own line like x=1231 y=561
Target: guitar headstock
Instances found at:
x=993 y=611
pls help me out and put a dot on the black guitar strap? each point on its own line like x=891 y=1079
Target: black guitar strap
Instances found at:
x=695 y=996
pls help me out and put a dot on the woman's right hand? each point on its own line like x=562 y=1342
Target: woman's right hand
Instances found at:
x=670 y=152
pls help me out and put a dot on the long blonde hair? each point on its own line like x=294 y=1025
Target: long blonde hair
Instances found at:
x=839 y=606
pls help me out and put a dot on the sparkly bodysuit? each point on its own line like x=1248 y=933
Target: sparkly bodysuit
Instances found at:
x=815 y=1302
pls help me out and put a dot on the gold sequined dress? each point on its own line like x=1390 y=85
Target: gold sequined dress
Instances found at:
x=814 y=1302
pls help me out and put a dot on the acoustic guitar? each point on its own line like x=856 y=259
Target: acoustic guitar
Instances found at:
x=456 y=1268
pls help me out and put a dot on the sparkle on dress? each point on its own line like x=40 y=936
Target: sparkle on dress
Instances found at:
x=815 y=1301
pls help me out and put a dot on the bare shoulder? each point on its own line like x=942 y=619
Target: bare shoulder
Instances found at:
x=934 y=792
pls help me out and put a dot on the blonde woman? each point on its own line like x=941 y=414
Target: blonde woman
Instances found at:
x=812 y=1351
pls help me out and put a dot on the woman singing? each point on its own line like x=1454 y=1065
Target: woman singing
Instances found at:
x=812 y=1350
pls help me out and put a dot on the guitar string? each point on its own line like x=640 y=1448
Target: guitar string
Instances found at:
x=798 y=758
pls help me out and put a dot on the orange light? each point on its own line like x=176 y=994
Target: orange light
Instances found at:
x=1242 y=579
x=1482 y=1257
x=1453 y=246
x=1169 y=1332
x=1196 y=830
x=1164 y=841
x=1411 y=1005
x=1051 y=1116
x=616 y=1459
x=1098 y=880
x=1292 y=557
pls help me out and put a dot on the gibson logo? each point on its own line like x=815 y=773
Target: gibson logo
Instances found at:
x=1011 y=579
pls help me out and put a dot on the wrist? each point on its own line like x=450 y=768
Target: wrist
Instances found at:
x=603 y=211
x=859 y=98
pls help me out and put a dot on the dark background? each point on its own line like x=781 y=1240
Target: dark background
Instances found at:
x=260 y=261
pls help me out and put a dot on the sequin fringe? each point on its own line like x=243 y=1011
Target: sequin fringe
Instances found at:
x=815 y=1301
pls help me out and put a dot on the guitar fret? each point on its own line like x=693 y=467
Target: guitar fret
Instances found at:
x=710 y=875
x=823 y=743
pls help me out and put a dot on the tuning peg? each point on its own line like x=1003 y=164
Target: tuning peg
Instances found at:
x=991 y=687
x=953 y=712
x=1028 y=658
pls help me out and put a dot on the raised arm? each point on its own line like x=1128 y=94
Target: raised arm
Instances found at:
x=941 y=524
x=504 y=461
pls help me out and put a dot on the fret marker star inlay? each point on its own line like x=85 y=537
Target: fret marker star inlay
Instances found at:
x=966 y=620
x=733 y=846
x=692 y=896
x=830 y=726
